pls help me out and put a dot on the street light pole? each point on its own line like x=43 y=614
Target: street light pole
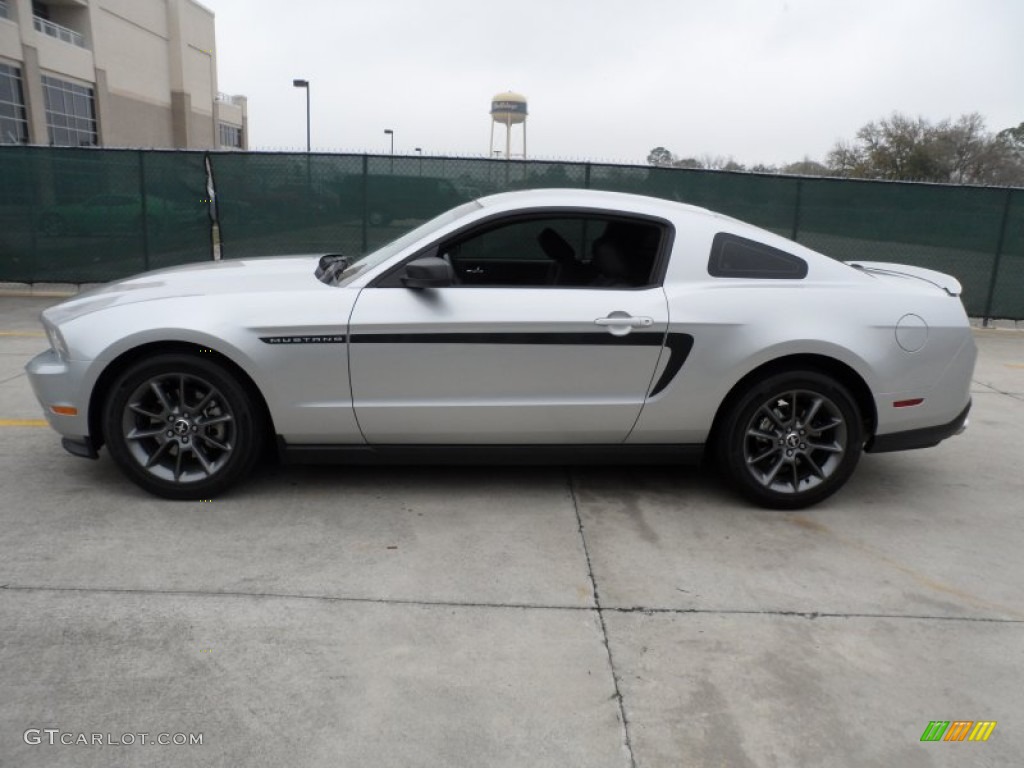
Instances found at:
x=305 y=84
x=391 y=133
x=419 y=151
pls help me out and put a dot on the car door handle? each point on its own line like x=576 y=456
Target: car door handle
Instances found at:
x=621 y=323
x=623 y=319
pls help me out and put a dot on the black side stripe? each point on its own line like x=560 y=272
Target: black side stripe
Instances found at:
x=679 y=346
x=598 y=338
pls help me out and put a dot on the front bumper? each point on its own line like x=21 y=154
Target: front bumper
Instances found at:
x=58 y=382
x=918 y=438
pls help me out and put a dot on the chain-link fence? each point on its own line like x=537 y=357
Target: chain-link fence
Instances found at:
x=92 y=215
x=89 y=215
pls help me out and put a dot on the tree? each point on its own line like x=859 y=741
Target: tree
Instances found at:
x=1014 y=139
x=806 y=167
x=907 y=149
x=720 y=163
x=902 y=148
x=660 y=157
x=688 y=162
x=847 y=160
x=1011 y=141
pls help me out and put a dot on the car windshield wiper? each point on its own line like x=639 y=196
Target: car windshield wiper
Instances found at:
x=331 y=265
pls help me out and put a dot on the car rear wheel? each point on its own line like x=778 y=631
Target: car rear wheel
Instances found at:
x=791 y=440
x=181 y=426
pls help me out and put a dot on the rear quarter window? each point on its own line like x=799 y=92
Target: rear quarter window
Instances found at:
x=734 y=256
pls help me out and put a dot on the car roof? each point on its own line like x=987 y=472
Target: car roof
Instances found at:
x=592 y=197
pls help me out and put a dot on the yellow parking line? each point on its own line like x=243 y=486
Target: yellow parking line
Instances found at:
x=24 y=423
x=1014 y=365
x=24 y=334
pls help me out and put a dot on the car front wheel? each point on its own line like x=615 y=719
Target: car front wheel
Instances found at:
x=181 y=426
x=791 y=440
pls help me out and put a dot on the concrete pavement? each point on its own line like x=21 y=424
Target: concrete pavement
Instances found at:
x=509 y=616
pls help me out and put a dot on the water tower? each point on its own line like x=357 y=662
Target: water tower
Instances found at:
x=508 y=109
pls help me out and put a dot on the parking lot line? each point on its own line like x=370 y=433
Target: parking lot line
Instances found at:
x=23 y=334
x=24 y=423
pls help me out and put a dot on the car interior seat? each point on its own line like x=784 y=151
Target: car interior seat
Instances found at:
x=635 y=250
x=569 y=270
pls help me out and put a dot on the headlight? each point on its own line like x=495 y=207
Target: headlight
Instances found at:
x=56 y=341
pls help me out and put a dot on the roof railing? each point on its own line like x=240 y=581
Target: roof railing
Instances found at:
x=63 y=34
x=227 y=98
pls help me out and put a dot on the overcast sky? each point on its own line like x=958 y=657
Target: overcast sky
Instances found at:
x=761 y=80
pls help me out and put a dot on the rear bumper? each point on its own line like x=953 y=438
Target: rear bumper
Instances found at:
x=918 y=438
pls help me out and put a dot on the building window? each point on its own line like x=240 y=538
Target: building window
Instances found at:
x=230 y=136
x=70 y=113
x=5 y=12
x=13 y=121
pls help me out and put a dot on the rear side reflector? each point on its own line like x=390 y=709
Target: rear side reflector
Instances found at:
x=908 y=403
x=64 y=410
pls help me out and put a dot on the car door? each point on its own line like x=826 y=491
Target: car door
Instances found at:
x=534 y=362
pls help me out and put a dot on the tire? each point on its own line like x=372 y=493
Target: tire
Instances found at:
x=181 y=426
x=791 y=440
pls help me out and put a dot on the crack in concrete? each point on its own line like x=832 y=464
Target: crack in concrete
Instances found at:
x=812 y=615
x=600 y=619
x=996 y=390
x=642 y=609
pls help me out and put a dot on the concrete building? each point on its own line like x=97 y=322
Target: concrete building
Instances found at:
x=114 y=73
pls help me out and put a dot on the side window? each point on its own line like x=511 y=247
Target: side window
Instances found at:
x=571 y=252
x=734 y=256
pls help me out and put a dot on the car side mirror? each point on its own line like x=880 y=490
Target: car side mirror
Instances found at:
x=428 y=272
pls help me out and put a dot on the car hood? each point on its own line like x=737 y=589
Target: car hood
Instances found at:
x=948 y=283
x=262 y=275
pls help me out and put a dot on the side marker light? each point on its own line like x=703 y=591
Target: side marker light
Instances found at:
x=908 y=403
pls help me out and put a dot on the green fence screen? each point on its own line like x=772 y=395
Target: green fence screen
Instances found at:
x=91 y=215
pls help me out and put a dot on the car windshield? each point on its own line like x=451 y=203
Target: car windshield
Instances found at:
x=395 y=246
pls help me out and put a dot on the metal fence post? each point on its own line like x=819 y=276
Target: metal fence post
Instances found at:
x=998 y=259
x=145 y=211
x=586 y=177
x=34 y=218
x=796 y=208
x=213 y=209
x=366 y=201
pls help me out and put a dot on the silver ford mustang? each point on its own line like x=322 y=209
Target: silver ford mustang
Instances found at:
x=555 y=325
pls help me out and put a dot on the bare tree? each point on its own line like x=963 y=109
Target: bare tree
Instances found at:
x=720 y=163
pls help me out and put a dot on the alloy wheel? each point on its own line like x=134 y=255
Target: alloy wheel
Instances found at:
x=795 y=441
x=179 y=428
